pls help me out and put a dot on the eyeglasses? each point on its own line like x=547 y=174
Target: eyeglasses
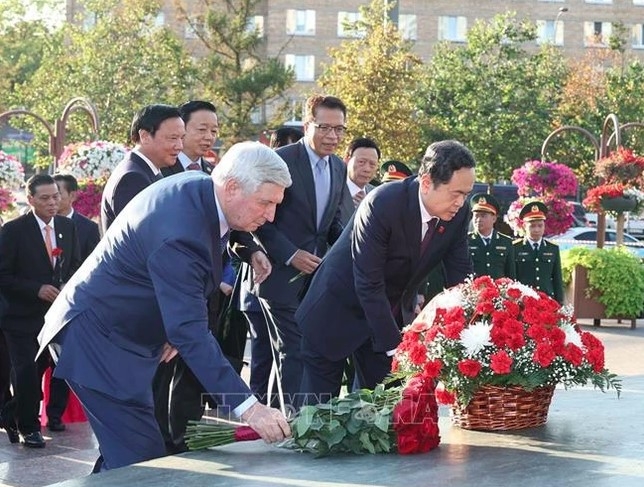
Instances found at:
x=325 y=129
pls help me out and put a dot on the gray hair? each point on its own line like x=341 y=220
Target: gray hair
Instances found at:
x=251 y=164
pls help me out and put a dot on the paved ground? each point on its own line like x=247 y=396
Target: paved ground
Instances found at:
x=591 y=439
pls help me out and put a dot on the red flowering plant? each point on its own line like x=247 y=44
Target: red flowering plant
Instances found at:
x=559 y=218
x=622 y=176
x=401 y=419
x=500 y=333
x=91 y=163
x=549 y=182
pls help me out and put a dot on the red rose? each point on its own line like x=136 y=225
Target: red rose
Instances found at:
x=469 y=367
x=443 y=396
x=407 y=443
x=573 y=354
x=432 y=368
x=418 y=354
x=544 y=354
x=501 y=362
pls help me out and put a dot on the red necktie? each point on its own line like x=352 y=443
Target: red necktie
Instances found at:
x=194 y=166
x=431 y=228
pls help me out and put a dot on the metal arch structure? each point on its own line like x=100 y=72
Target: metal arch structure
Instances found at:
x=611 y=133
x=58 y=132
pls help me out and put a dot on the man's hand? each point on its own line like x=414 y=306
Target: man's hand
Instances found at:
x=269 y=423
x=225 y=288
x=420 y=302
x=169 y=352
x=358 y=197
x=261 y=266
x=305 y=262
x=48 y=293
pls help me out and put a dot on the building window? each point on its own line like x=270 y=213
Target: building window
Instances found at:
x=407 y=26
x=346 y=21
x=550 y=32
x=300 y=22
x=452 y=28
x=638 y=36
x=596 y=34
x=256 y=24
x=303 y=66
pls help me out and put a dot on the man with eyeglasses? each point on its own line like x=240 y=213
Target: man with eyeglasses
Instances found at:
x=306 y=224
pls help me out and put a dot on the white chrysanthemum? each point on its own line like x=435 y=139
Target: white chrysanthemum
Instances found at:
x=475 y=337
x=524 y=290
x=572 y=335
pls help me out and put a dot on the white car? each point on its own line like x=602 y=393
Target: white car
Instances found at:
x=587 y=237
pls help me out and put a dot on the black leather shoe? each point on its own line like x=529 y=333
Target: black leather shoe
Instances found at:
x=33 y=440
x=10 y=428
x=55 y=426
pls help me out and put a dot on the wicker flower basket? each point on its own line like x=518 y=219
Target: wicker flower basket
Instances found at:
x=504 y=408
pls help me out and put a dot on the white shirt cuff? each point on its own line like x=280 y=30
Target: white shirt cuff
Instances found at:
x=288 y=262
x=244 y=406
x=391 y=353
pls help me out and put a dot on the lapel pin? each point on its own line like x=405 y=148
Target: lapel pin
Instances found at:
x=60 y=235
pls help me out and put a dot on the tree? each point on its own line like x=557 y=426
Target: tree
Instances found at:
x=496 y=94
x=121 y=64
x=378 y=77
x=234 y=72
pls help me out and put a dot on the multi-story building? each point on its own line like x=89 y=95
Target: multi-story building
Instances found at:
x=302 y=31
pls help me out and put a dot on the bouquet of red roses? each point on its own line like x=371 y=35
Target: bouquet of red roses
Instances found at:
x=384 y=420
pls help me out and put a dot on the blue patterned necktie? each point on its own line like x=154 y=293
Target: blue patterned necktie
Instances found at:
x=322 y=187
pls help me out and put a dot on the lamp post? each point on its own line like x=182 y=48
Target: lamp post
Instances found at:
x=58 y=132
x=562 y=10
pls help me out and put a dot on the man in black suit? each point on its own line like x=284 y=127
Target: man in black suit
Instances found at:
x=157 y=131
x=40 y=252
x=88 y=237
x=178 y=394
x=306 y=223
x=202 y=130
x=362 y=158
x=365 y=289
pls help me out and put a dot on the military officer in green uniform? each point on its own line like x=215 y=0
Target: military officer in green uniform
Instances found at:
x=538 y=263
x=491 y=252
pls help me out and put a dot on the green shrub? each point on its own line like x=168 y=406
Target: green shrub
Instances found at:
x=616 y=275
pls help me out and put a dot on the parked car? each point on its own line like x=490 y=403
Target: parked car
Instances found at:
x=587 y=237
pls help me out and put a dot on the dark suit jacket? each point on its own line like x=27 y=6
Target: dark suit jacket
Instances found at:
x=375 y=267
x=146 y=284
x=295 y=225
x=25 y=267
x=88 y=234
x=348 y=207
x=128 y=179
x=178 y=168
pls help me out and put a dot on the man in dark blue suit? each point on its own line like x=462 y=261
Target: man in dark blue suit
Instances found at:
x=157 y=131
x=141 y=297
x=306 y=223
x=39 y=253
x=365 y=289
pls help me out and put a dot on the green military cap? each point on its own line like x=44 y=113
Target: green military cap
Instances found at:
x=394 y=170
x=535 y=210
x=485 y=202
